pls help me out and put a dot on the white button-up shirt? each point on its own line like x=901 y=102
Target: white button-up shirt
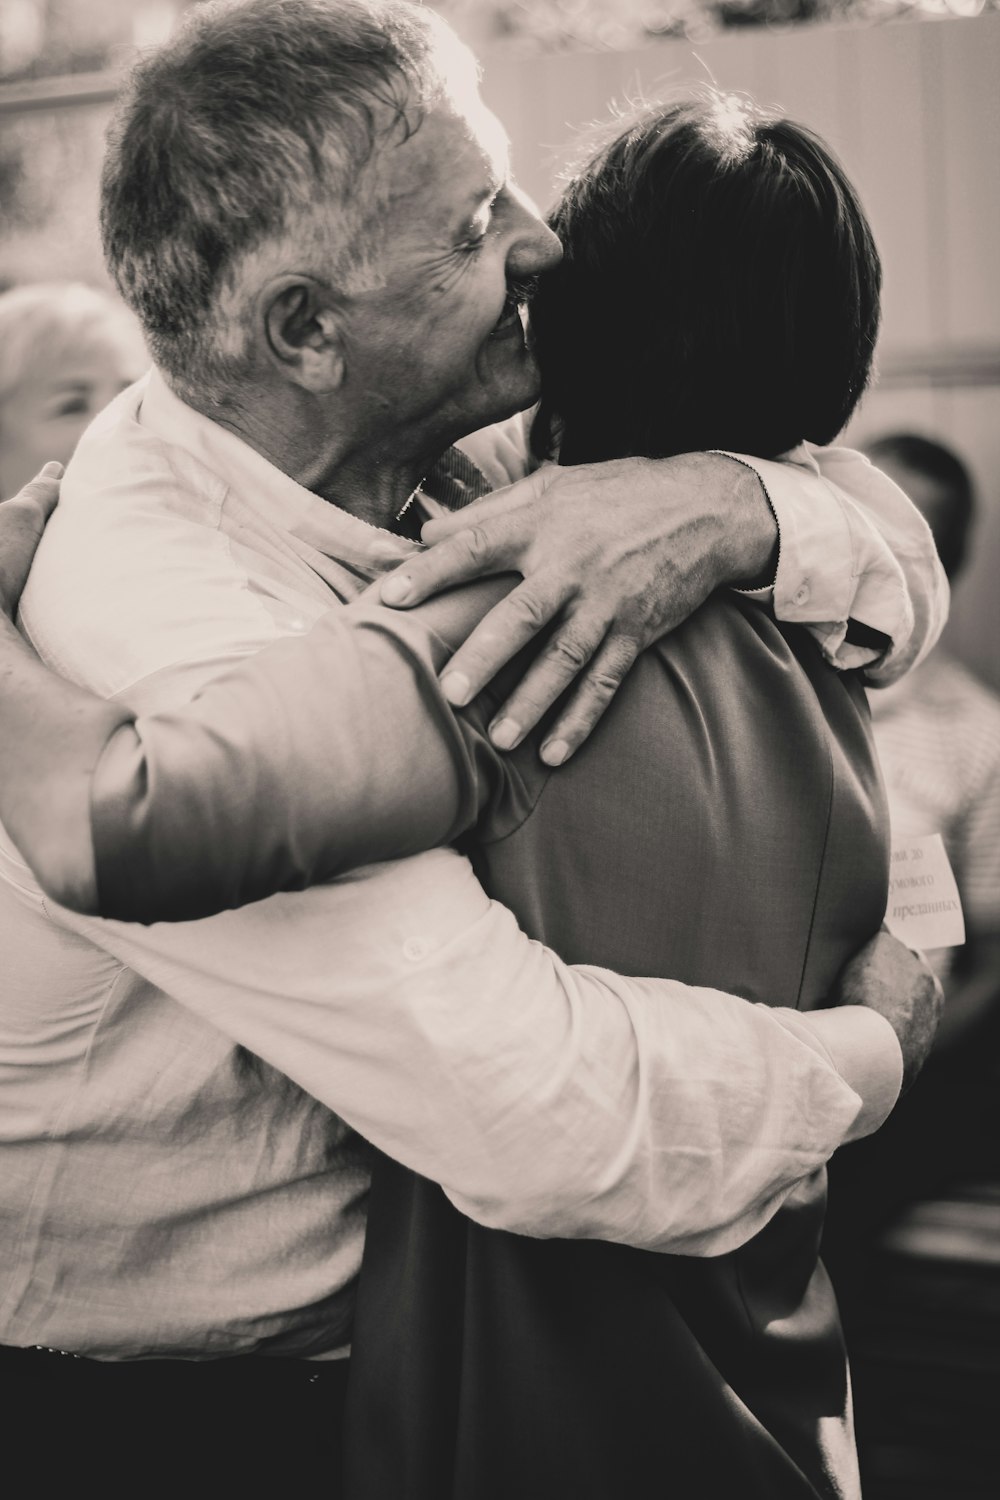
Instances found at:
x=181 y=1168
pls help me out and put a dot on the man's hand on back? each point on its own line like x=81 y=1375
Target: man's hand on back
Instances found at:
x=617 y=554
x=22 y=521
x=889 y=978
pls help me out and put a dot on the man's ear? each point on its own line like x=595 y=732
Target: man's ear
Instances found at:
x=303 y=331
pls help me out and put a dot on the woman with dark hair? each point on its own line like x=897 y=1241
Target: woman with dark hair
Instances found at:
x=724 y=825
x=720 y=288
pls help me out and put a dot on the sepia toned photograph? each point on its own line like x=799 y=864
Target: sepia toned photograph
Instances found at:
x=500 y=749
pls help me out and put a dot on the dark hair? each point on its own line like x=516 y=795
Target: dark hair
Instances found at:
x=720 y=289
x=256 y=110
x=953 y=510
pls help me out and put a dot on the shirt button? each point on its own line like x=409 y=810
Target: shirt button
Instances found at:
x=414 y=948
x=801 y=594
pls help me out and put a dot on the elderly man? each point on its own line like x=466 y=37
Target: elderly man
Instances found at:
x=307 y=204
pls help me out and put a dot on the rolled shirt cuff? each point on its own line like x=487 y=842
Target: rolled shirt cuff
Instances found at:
x=864 y=1049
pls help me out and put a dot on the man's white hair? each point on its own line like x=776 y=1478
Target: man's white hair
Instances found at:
x=244 y=145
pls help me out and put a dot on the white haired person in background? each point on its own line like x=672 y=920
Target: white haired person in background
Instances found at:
x=65 y=351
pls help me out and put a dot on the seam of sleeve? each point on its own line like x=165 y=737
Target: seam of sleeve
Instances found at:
x=492 y=843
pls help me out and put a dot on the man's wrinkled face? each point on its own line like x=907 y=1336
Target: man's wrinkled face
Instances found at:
x=439 y=349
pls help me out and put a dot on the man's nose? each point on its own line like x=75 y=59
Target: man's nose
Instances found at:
x=535 y=248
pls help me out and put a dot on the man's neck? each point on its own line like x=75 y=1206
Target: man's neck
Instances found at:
x=371 y=479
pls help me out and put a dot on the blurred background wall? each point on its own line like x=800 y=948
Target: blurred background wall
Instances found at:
x=912 y=108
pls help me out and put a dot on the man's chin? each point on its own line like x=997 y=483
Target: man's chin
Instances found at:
x=519 y=391
x=498 y=395
x=501 y=412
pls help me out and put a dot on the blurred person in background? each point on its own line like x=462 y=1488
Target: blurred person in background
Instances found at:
x=937 y=732
x=66 y=350
x=938 y=738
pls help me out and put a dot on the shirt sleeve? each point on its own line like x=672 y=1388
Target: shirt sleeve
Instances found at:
x=859 y=1043
x=546 y=1099
x=316 y=755
x=857 y=565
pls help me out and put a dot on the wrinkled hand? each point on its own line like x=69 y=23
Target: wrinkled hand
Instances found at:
x=22 y=521
x=887 y=977
x=617 y=554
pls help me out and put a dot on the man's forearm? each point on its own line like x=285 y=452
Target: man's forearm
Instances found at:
x=254 y=787
x=548 y=1100
x=754 y=538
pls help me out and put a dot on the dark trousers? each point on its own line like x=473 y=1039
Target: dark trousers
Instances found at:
x=234 y=1427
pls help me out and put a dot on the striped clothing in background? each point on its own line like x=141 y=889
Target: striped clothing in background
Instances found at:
x=938 y=738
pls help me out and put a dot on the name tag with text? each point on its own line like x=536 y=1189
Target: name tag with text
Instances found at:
x=924 y=908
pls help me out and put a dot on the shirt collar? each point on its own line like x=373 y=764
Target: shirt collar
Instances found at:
x=272 y=494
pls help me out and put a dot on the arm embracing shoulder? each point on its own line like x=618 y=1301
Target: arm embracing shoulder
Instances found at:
x=547 y=1099
x=320 y=753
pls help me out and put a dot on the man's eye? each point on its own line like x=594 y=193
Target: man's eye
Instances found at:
x=73 y=406
x=472 y=245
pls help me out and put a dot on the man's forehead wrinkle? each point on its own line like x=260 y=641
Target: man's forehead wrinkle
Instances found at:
x=449 y=164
